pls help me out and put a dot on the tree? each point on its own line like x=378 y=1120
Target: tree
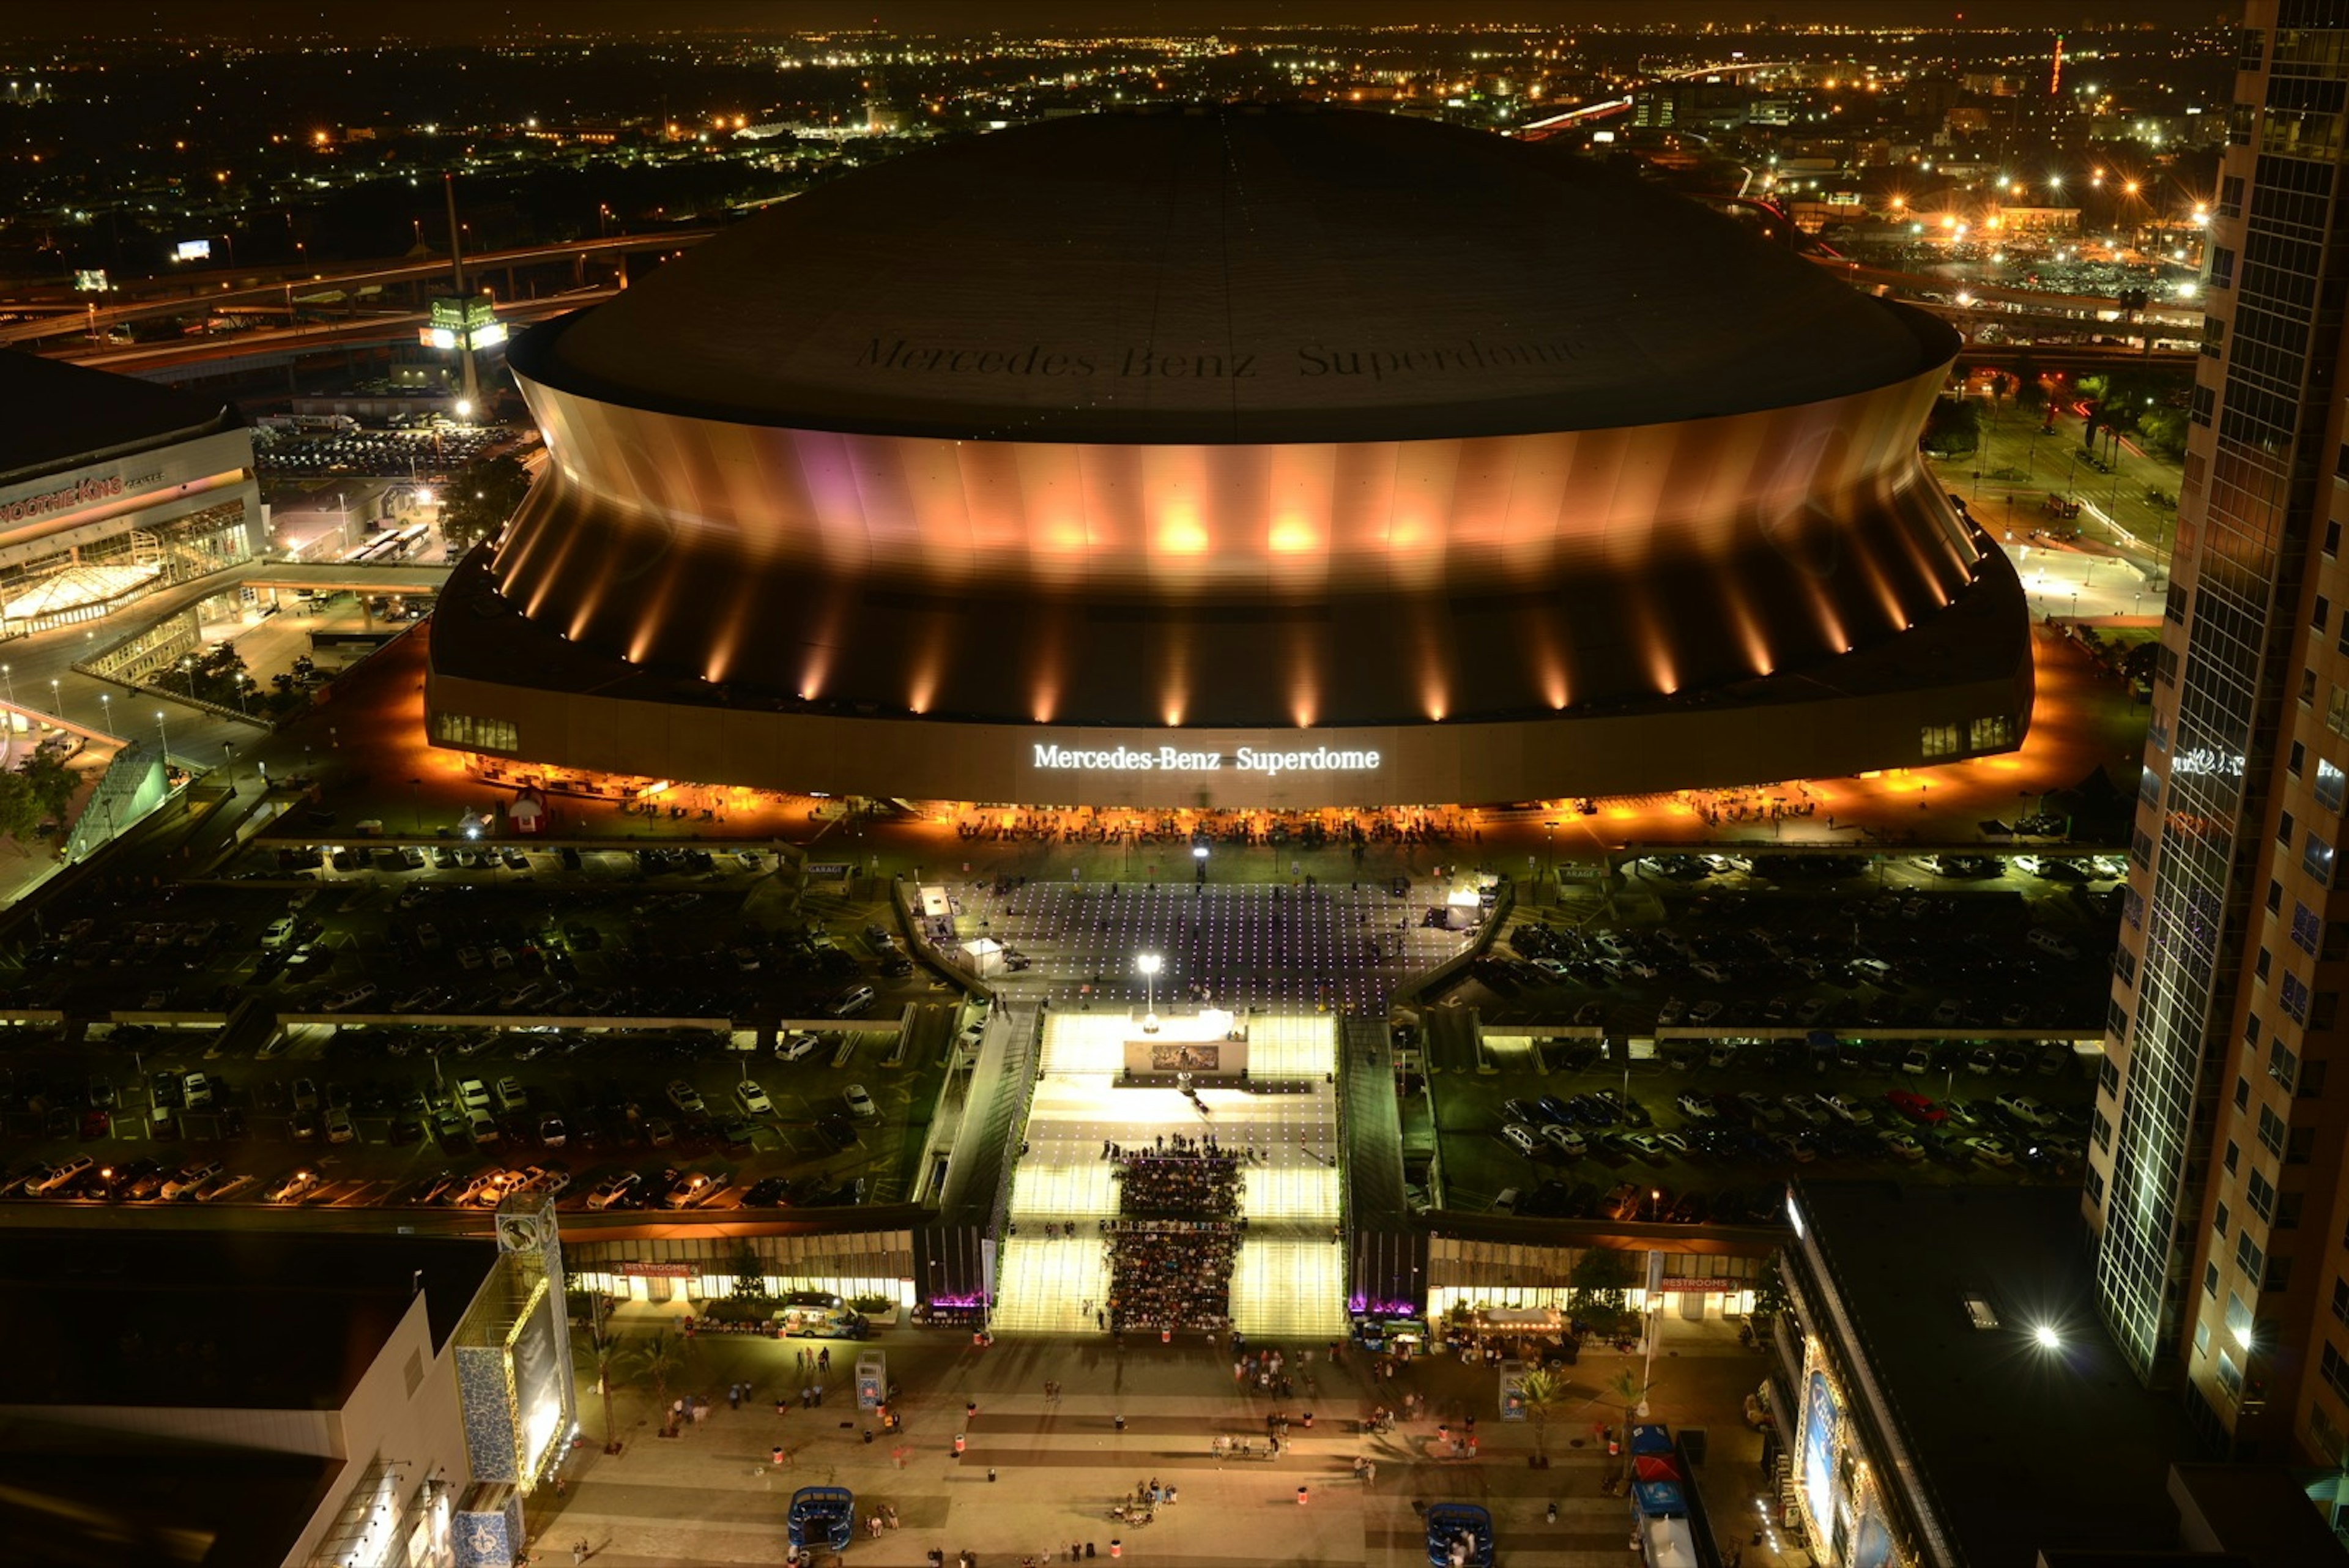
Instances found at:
x=599 y=1354
x=749 y=1275
x=20 y=809
x=659 y=1358
x=478 y=499
x=2164 y=430
x=1597 y=1286
x=2029 y=395
x=1953 y=428
x=51 y=783
x=1541 y=1391
x=1630 y=1390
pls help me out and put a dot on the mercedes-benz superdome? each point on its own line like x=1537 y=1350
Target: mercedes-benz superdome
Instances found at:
x=1235 y=456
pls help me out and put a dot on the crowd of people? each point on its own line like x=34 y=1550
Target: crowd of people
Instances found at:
x=1171 y=1274
x=1171 y=1250
x=1180 y=1175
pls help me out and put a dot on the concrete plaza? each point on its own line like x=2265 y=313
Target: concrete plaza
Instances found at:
x=1038 y=1476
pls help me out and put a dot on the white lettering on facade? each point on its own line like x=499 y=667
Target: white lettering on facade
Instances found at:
x=2205 y=760
x=1173 y=759
x=97 y=487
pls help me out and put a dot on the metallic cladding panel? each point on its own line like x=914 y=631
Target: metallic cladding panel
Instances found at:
x=1319 y=583
x=572 y=709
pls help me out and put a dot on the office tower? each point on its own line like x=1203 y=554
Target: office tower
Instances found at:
x=2214 y=1157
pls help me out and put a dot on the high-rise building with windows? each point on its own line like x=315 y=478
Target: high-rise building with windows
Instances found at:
x=2216 y=1160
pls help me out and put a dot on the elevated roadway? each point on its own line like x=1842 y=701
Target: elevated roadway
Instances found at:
x=279 y=290
x=276 y=343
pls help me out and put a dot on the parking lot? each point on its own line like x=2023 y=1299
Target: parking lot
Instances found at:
x=1716 y=1127
x=1814 y=942
x=468 y=930
x=625 y=998
x=429 y=448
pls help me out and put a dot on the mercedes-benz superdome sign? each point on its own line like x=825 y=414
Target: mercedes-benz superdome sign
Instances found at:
x=1175 y=760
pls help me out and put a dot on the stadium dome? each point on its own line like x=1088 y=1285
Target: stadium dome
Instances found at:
x=1238 y=418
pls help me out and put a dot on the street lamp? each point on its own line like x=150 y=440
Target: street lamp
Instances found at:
x=163 y=736
x=1199 y=863
x=2047 y=1337
x=1150 y=964
x=106 y=712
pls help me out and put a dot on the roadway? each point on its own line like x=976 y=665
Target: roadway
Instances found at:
x=401 y=328
x=279 y=290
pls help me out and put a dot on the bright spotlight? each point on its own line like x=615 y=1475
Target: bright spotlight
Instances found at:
x=2047 y=1337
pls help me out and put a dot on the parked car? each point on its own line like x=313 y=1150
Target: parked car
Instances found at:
x=1917 y=1107
x=1846 y=1109
x=1565 y=1140
x=614 y=1191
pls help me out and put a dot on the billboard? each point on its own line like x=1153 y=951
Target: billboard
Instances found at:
x=540 y=1372
x=1821 y=1470
x=192 y=250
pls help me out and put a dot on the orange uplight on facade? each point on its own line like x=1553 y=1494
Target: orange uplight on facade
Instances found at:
x=1252 y=464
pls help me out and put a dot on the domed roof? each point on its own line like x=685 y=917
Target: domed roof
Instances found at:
x=1225 y=275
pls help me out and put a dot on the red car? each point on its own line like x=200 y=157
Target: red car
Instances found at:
x=97 y=1125
x=1917 y=1107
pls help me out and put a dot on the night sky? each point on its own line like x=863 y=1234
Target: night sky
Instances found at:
x=279 y=19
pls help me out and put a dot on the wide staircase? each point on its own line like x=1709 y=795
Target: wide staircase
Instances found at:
x=1288 y=1276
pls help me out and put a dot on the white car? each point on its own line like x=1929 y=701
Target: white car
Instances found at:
x=860 y=1104
x=1519 y=1136
x=344 y=1001
x=184 y=1184
x=1917 y=1061
x=686 y=1099
x=2049 y=942
x=2026 y=1110
x=59 y=1175
x=795 y=1046
x=1565 y=1140
x=339 y=1128
x=1699 y=1108
x=473 y=1094
x=614 y=1191
x=1847 y=1110
x=225 y=1187
x=752 y=1098
x=296 y=1186
x=695 y=1190
x=1901 y=1146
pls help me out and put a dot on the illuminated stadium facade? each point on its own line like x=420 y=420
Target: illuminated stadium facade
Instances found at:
x=1235 y=457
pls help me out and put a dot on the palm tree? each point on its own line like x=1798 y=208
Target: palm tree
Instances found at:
x=1631 y=1391
x=660 y=1358
x=1539 y=1392
x=599 y=1354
